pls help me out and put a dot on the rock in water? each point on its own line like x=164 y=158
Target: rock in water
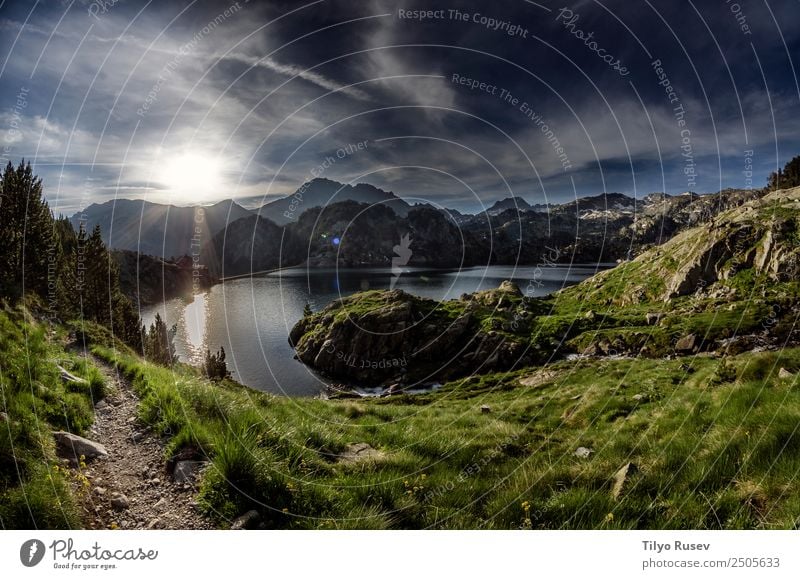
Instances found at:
x=510 y=287
x=376 y=337
x=73 y=446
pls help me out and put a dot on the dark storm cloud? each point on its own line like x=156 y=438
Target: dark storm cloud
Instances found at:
x=113 y=91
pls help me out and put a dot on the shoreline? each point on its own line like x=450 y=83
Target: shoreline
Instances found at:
x=410 y=268
x=521 y=273
x=255 y=273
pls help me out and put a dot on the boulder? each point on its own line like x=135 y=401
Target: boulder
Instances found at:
x=539 y=378
x=68 y=377
x=509 y=286
x=72 y=446
x=120 y=502
x=739 y=344
x=358 y=452
x=486 y=409
x=651 y=319
x=687 y=344
x=705 y=255
x=784 y=374
x=591 y=350
x=583 y=452
x=249 y=520
x=620 y=478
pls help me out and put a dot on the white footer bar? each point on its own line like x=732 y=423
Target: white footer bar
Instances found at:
x=386 y=554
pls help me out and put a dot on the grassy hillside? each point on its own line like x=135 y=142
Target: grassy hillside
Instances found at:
x=34 y=488
x=733 y=283
x=714 y=443
x=744 y=253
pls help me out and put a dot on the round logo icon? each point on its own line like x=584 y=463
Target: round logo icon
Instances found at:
x=32 y=552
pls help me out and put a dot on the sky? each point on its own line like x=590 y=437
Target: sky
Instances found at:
x=457 y=103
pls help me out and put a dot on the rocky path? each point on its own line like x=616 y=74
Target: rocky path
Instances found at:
x=131 y=488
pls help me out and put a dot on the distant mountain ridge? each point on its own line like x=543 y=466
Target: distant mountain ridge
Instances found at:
x=344 y=234
x=517 y=203
x=156 y=229
x=322 y=192
x=171 y=231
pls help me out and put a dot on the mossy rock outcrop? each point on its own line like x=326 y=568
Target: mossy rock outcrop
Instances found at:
x=759 y=240
x=389 y=336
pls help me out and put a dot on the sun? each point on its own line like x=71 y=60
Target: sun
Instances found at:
x=192 y=176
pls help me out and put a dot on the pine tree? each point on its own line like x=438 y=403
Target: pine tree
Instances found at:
x=159 y=347
x=102 y=298
x=26 y=230
x=93 y=263
x=10 y=233
x=44 y=256
x=215 y=367
x=66 y=245
x=126 y=322
x=786 y=178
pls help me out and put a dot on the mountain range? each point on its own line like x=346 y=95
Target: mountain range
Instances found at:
x=171 y=231
x=325 y=223
x=322 y=192
x=517 y=203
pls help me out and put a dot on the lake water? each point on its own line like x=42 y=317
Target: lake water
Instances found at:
x=251 y=317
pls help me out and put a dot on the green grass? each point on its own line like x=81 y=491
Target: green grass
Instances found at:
x=34 y=492
x=716 y=446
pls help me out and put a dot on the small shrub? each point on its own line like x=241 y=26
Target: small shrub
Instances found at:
x=214 y=366
x=726 y=373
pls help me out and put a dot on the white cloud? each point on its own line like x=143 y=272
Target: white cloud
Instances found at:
x=290 y=70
